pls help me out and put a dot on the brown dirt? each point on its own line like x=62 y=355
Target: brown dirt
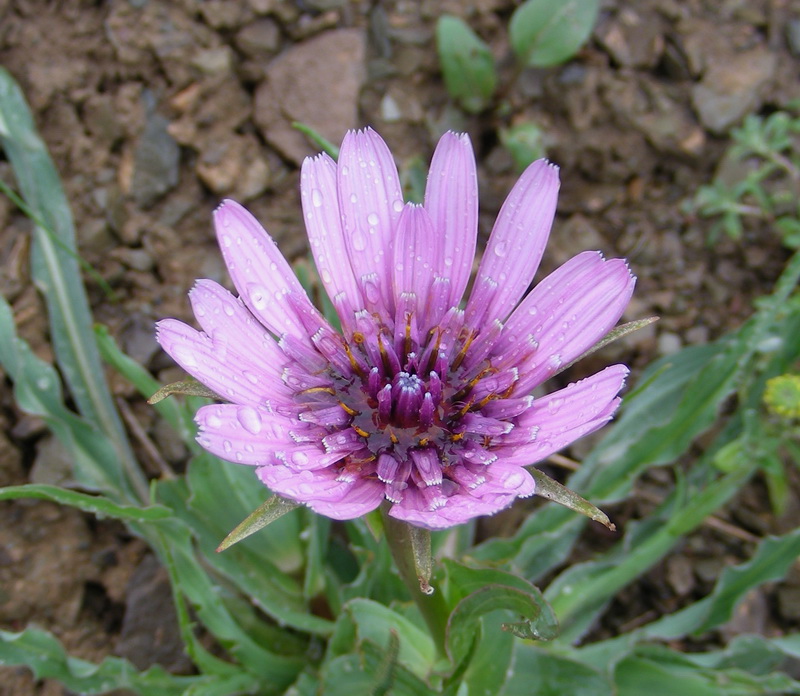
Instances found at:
x=155 y=109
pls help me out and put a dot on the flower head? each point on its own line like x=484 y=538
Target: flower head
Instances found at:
x=419 y=401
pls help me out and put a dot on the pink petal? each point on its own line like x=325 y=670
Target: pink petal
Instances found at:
x=370 y=201
x=516 y=244
x=260 y=273
x=320 y=200
x=415 y=259
x=451 y=199
x=323 y=492
x=255 y=436
x=567 y=313
x=226 y=319
x=560 y=418
x=207 y=358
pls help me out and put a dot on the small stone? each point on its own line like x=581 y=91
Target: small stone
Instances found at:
x=214 y=61
x=259 y=38
x=155 y=162
x=234 y=166
x=732 y=88
x=316 y=82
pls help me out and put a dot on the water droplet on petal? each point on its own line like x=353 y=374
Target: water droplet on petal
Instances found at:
x=258 y=296
x=249 y=419
x=316 y=198
x=501 y=249
x=326 y=276
x=227 y=446
x=353 y=198
x=397 y=206
x=359 y=242
x=299 y=458
x=185 y=355
x=448 y=260
x=373 y=219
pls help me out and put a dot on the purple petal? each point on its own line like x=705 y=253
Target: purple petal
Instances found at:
x=560 y=418
x=567 y=313
x=225 y=318
x=415 y=259
x=320 y=200
x=254 y=436
x=260 y=273
x=242 y=380
x=451 y=199
x=516 y=244
x=323 y=492
x=503 y=484
x=370 y=202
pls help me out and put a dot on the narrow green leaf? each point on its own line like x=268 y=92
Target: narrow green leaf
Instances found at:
x=548 y=32
x=265 y=514
x=185 y=388
x=37 y=391
x=423 y=560
x=95 y=504
x=553 y=490
x=317 y=139
x=57 y=275
x=536 y=671
x=467 y=64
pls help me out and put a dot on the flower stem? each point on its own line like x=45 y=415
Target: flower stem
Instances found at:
x=432 y=606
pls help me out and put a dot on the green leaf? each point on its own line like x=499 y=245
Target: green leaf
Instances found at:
x=317 y=139
x=264 y=514
x=57 y=275
x=548 y=32
x=539 y=672
x=37 y=391
x=478 y=591
x=186 y=388
x=467 y=64
x=524 y=142
x=374 y=623
x=95 y=504
x=45 y=656
x=553 y=490
x=771 y=561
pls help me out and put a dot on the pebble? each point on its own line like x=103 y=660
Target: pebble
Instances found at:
x=316 y=82
x=155 y=162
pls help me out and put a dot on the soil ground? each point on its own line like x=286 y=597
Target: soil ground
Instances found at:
x=156 y=109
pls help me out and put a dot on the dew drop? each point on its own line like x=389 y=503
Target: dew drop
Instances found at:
x=373 y=219
x=226 y=240
x=258 y=296
x=185 y=355
x=199 y=310
x=501 y=249
x=326 y=276
x=359 y=242
x=214 y=421
x=249 y=419
x=227 y=446
x=43 y=383
x=251 y=377
x=448 y=261
x=228 y=309
x=397 y=206
x=353 y=198
x=299 y=458
x=316 y=198
x=344 y=170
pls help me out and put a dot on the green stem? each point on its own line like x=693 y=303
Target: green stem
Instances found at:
x=432 y=606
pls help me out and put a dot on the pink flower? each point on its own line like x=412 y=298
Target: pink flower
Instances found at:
x=417 y=401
